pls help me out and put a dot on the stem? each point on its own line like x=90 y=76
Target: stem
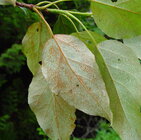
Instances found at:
x=50 y=4
x=43 y=2
x=63 y=12
x=30 y=6
x=72 y=12
x=36 y=10
x=75 y=18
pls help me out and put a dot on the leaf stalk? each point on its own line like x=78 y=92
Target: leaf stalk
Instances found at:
x=50 y=4
x=72 y=12
x=41 y=16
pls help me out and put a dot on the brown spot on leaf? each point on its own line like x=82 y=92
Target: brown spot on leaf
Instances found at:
x=52 y=51
x=47 y=131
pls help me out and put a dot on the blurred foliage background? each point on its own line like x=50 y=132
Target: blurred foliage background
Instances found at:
x=17 y=122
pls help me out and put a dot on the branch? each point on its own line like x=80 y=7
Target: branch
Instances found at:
x=29 y=6
x=44 y=8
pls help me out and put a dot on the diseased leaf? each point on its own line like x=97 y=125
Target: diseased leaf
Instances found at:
x=54 y=115
x=71 y=72
x=64 y=26
x=85 y=38
x=119 y=19
x=33 y=44
x=124 y=88
x=134 y=44
x=7 y=2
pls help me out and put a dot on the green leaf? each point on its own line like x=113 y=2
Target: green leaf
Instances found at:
x=134 y=44
x=8 y=2
x=119 y=19
x=71 y=71
x=53 y=114
x=84 y=37
x=124 y=88
x=64 y=26
x=33 y=44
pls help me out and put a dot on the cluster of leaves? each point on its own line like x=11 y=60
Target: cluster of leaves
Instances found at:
x=13 y=59
x=15 y=77
x=98 y=77
x=104 y=133
x=71 y=70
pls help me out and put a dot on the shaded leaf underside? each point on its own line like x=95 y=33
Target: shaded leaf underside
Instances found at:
x=125 y=71
x=54 y=115
x=33 y=44
x=134 y=44
x=72 y=73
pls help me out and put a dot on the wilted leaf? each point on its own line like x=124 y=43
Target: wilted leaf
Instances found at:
x=33 y=44
x=124 y=88
x=54 y=115
x=71 y=71
x=119 y=19
x=64 y=26
x=7 y=2
x=85 y=38
x=134 y=44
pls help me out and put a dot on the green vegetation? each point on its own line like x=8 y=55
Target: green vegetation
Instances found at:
x=104 y=132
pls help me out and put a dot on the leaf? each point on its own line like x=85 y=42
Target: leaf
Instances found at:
x=63 y=26
x=54 y=115
x=33 y=44
x=134 y=44
x=71 y=72
x=119 y=19
x=8 y=2
x=85 y=38
x=124 y=88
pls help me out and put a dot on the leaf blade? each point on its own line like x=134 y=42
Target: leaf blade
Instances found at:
x=64 y=26
x=134 y=44
x=70 y=69
x=54 y=115
x=126 y=94
x=33 y=44
x=116 y=19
